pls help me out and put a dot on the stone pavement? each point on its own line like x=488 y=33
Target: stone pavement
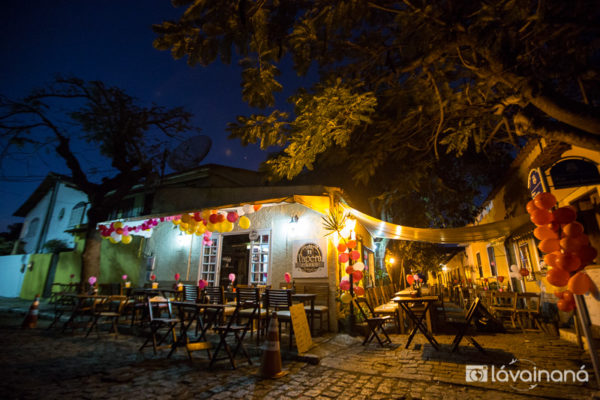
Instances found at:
x=40 y=364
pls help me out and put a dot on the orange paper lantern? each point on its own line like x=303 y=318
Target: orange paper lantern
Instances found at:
x=550 y=258
x=544 y=200
x=351 y=244
x=580 y=283
x=557 y=277
x=543 y=233
x=564 y=306
x=587 y=254
x=549 y=245
x=564 y=215
x=568 y=261
x=341 y=247
x=570 y=244
x=541 y=217
x=573 y=229
x=531 y=207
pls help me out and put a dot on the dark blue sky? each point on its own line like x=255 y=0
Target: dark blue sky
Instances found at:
x=111 y=41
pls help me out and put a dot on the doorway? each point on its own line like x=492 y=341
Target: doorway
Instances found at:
x=235 y=254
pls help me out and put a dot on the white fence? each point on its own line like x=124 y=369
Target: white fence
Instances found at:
x=12 y=272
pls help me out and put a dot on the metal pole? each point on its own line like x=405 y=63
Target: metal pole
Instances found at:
x=585 y=326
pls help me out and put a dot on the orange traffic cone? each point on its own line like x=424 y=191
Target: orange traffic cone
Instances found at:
x=30 y=320
x=270 y=366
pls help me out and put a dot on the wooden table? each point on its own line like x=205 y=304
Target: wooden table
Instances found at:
x=81 y=306
x=195 y=309
x=303 y=297
x=404 y=302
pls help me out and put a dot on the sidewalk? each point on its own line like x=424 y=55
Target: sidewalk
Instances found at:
x=47 y=364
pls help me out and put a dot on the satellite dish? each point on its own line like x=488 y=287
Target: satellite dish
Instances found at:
x=189 y=153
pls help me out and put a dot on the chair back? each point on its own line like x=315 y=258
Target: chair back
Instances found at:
x=247 y=294
x=322 y=292
x=214 y=295
x=504 y=300
x=363 y=306
x=278 y=299
x=472 y=309
x=190 y=293
x=157 y=304
x=529 y=301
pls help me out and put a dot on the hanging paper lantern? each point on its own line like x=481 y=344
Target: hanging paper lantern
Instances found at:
x=568 y=261
x=531 y=207
x=349 y=269
x=570 y=244
x=359 y=290
x=118 y=225
x=343 y=257
x=564 y=215
x=358 y=266
x=341 y=247
x=544 y=200
x=221 y=217
x=564 y=306
x=410 y=279
x=354 y=255
x=256 y=207
x=500 y=279
x=541 y=217
x=92 y=280
x=213 y=219
x=568 y=296
x=524 y=272
x=557 y=277
x=550 y=258
x=583 y=239
x=346 y=297
x=185 y=218
x=232 y=216
x=232 y=277
x=544 y=233
x=126 y=239
x=227 y=226
x=244 y=222
x=549 y=245
x=202 y=284
x=345 y=285
x=357 y=276
x=559 y=294
x=351 y=244
x=288 y=277
x=573 y=229
x=580 y=283
x=587 y=254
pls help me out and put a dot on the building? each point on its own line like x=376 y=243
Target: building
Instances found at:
x=54 y=207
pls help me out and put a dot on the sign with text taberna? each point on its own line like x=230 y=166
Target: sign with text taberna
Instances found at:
x=309 y=258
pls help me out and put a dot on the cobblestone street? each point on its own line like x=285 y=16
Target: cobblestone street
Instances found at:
x=48 y=364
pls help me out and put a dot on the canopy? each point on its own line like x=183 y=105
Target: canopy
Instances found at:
x=477 y=233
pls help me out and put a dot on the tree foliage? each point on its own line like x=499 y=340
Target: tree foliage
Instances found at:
x=128 y=135
x=405 y=87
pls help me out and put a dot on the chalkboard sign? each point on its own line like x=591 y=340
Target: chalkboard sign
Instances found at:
x=301 y=328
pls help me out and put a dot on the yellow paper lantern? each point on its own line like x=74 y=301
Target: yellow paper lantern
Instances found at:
x=227 y=226
x=126 y=239
x=211 y=227
x=244 y=222
x=112 y=240
x=346 y=298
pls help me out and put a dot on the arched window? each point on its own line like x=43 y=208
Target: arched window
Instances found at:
x=77 y=214
x=33 y=227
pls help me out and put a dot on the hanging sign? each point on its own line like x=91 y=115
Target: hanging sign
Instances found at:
x=574 y=173
x=309 y=258
x=535 y=182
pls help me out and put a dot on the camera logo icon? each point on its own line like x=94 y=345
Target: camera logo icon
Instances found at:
x=476 y=373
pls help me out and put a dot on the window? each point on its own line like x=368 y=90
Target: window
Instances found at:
x=259 y=260
x=492 y=259
x=77 y=214
x=479 y=265
x=208 y=262
x=33 y=227
x=525 y=258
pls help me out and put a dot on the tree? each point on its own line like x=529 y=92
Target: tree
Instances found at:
x=128 y=135
x=402 y=79
x=8 y=239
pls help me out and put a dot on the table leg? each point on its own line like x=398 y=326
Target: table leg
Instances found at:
x=312 y=317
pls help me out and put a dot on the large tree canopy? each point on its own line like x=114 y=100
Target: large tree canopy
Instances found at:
x=129 y=136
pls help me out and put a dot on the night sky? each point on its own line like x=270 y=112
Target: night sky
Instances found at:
x=111 y=41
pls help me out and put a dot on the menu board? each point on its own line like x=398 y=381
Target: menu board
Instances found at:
x=592 y=300
x=301 y=328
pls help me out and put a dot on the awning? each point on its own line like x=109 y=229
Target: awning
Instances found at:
x=477 y=233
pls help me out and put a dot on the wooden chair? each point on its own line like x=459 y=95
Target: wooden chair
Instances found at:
x=109 y=308
x=232 y=326
x=279 y=301
x=257 y=316
x=463 y=325
x=157 y=322
x=528 y=305
x=321 y=303
x=374 y=323
x=190 y=293
x=504 y=305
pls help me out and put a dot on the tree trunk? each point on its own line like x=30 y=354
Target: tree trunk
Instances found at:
x=90 y=265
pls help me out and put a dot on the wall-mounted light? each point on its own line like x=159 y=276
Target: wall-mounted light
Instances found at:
x=392 y=260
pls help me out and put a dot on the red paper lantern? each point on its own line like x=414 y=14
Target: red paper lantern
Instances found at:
x=232 y=216
x=580 y=283
x=351 y=244
x=213 y=219
x=568 y=261
x=354 y=255
x=220 y=217
x=357 y=276
x=557 y=277
x=544 y=200
x=573 y=229
x=524 y=271
x=564 y=306
x=541 y=217
x=564 y=215
x=568 y=296
x=341 y=247
x=344 y=257
x=543 y=233
x=500 y=279
x=559 y=294
x=410 y=279
x=345 y=285
x=349 y=269
x=549 y=245
x=359 y=290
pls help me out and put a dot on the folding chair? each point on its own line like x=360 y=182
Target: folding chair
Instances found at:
x=321 y=303
x=110 y=308
x=528 y=305
x=475 y=310
x=504 y=304
x=238 y=330
x=374 y=323
x=279 y=300
x=247 y=294
x=155 y=305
